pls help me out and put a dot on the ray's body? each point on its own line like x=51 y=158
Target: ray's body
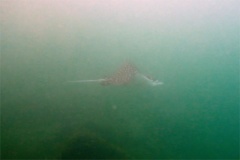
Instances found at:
x=123 y=75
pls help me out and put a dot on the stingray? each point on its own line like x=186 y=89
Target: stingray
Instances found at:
x=124 y=75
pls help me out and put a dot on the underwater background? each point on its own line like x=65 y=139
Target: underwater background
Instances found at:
x=190 y=45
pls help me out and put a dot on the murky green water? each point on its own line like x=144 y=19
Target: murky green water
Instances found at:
x=192 y=46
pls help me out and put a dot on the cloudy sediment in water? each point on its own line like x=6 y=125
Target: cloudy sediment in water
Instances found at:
x=190 y=45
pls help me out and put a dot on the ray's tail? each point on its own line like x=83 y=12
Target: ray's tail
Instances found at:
x=87 y=81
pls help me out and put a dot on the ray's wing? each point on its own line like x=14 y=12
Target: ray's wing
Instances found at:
x=122 y=76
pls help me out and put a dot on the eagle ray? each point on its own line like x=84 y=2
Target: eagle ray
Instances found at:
x=124 y=75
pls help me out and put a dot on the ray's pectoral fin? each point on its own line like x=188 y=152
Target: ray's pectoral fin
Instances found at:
x=150 y=80
x=156 y=82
